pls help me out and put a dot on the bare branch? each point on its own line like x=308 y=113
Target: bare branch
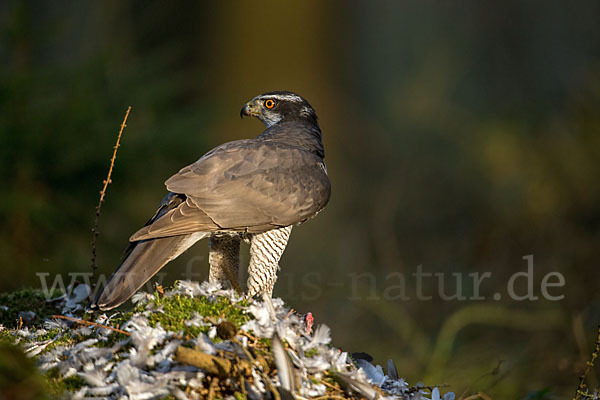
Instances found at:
x=102 y=194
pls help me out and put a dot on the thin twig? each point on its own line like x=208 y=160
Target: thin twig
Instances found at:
x=289 y=313
x=582 y=391
x=329 y=385
x=84 y=322
x=102 y=194
x=248 y=335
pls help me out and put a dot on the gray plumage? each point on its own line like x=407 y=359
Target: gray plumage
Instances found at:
x=252 y=189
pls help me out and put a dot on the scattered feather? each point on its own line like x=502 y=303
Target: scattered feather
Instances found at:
x=37 y=348
x=143 y=366
x=374 y=373
x=355 y=383
x=78 y=294
x=322 y=336
x=392 y=371
x=285 y=370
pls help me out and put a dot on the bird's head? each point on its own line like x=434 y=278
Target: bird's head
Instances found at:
x=274 y=107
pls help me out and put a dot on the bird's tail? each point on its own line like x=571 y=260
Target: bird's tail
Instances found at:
x=142 y=260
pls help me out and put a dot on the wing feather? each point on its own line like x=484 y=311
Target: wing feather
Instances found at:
x=260 y=183
x=246 y=185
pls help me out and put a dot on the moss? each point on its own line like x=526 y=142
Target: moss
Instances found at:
x=58 y=386
x=6 y=336
x=63 y=338
x=26 y=300
x=332 y=379
x=51 y=334
x=311 y=353
x=178 y=309
x=123 y=317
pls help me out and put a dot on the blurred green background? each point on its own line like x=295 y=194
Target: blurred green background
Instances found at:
x=460 y=136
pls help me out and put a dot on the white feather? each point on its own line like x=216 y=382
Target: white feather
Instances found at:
x=285 y=370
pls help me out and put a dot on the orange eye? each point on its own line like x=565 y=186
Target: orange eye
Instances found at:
x=269 y=104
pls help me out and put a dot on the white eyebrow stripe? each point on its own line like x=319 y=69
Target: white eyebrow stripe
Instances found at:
x=290 y=97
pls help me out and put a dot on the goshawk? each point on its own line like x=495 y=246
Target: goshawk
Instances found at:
x=251 y=189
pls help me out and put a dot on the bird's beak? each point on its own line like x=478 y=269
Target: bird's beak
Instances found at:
x=247 y=110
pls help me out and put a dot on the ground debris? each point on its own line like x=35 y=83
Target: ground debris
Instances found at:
x=199 y=341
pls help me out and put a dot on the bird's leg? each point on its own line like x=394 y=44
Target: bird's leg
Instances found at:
x=224 y=260
x=265 y=251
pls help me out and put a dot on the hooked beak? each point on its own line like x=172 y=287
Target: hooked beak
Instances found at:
x=247 y=110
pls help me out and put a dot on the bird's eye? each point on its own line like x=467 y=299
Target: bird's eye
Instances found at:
x=269 y=103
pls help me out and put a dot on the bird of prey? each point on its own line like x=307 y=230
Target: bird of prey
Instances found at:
x=251 y=189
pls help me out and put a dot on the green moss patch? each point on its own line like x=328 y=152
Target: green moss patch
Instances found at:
x=25 y=300
x=177 y=309
x=59 y=386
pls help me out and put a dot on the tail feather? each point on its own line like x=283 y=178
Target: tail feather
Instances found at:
x=142 y=260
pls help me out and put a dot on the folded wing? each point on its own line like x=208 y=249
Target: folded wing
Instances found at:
x=244 y=186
